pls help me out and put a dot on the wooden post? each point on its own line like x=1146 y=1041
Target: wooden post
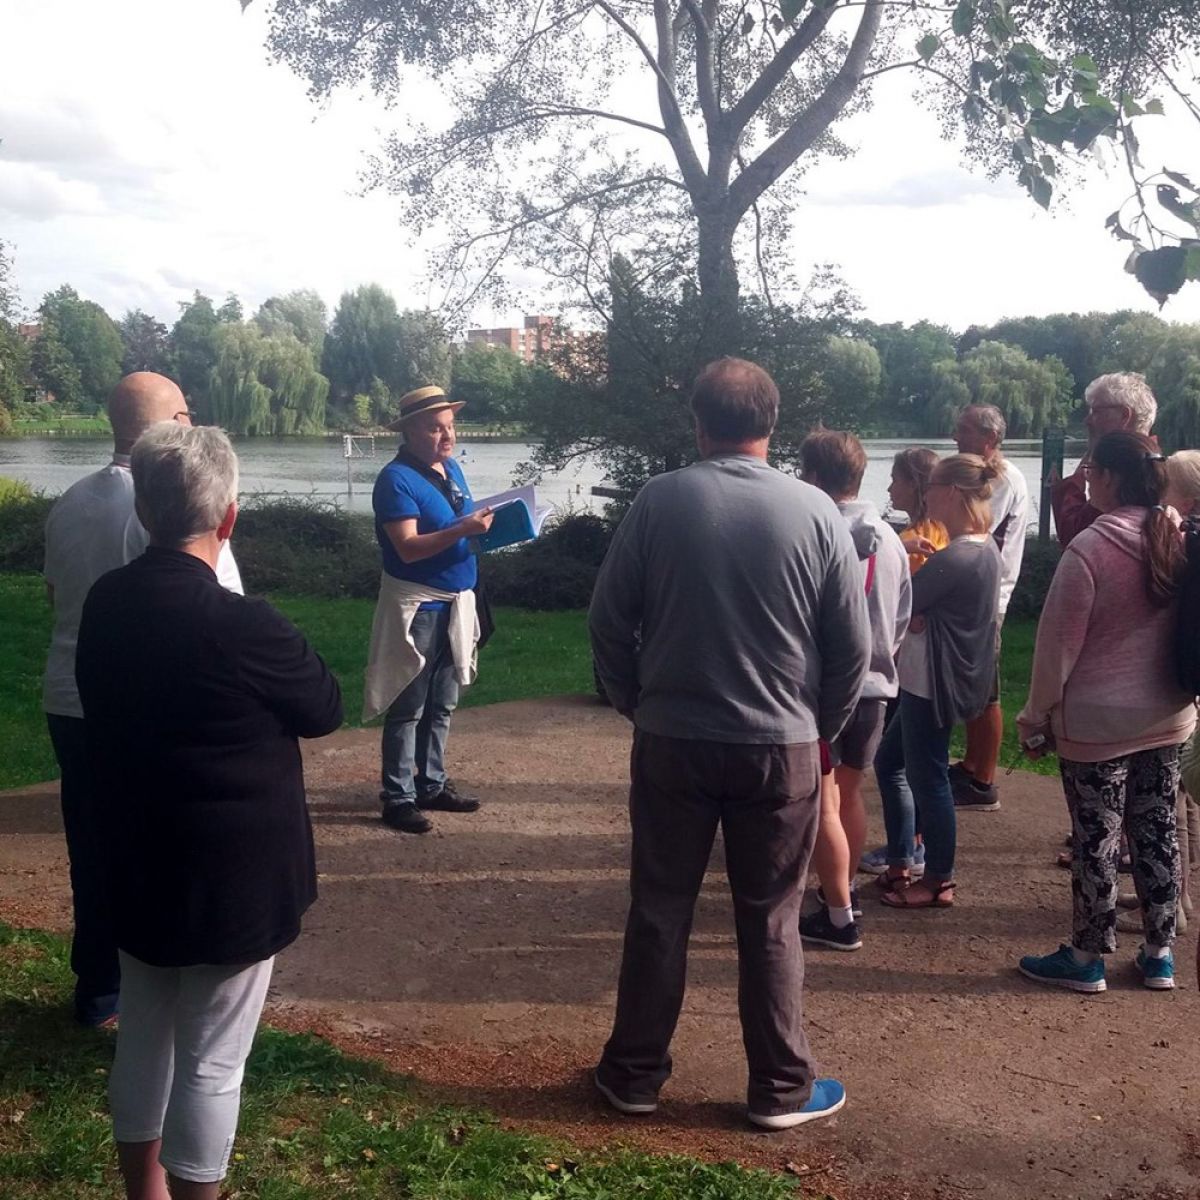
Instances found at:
x=1054 y=439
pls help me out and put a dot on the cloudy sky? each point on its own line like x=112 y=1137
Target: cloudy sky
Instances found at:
x=156 y=151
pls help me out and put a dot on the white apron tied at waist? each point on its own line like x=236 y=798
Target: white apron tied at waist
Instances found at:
x=394 y=660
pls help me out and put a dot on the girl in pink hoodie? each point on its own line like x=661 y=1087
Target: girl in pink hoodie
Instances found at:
x=1104 y=695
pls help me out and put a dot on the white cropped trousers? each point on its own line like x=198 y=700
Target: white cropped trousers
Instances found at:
x=182 y=1043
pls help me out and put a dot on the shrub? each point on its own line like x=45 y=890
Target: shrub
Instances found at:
x=23 y=515
x=1037 y=569
x=306 y=547
x=557 y=571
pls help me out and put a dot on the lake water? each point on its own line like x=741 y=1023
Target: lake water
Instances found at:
x=316 y=467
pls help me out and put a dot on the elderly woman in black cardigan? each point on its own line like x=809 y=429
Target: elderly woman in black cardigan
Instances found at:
x=194 y=699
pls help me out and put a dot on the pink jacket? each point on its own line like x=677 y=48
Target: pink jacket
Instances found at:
x=1103 y=681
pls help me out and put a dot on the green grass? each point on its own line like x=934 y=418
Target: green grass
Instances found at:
x=75 y=426
x=315 y=1124
x=532 y=654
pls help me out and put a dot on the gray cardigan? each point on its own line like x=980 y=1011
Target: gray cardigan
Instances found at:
x=958 y=593
x=731 y=608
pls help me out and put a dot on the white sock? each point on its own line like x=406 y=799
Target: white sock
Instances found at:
x=1083 y=957
x=1156 y=951
x=841 y=917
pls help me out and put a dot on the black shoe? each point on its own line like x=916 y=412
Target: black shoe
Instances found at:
x=406 y=818
x=972 y=795
x=820 y=929
x=449 y=799
x=855 y=902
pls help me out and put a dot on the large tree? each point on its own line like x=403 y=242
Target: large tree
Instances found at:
x=193 y=344
x=492 y=381
x=147 y=343
x=77 y=355
x=569 y=115
x=301 y=313
x=14 y=351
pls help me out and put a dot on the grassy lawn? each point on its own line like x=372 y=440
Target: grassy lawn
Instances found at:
x=532 y=654
x=75 y=426
x=315 y=1124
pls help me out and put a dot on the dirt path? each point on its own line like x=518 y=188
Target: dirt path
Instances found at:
x=482 y=958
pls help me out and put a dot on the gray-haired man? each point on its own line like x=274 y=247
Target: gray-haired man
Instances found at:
x=729 y=624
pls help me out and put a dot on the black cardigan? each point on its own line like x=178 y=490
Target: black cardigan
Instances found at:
x=193 y=699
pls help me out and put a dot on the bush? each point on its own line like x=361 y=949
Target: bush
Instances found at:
x=1037 y=569
x=307 y=548
x=22 y=526
x=555 y=572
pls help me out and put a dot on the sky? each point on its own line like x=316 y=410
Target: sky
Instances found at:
x=158 y=151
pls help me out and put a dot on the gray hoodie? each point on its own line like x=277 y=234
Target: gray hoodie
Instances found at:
x=889 y=602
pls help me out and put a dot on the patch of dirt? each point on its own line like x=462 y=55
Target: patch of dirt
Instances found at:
x=482 y=960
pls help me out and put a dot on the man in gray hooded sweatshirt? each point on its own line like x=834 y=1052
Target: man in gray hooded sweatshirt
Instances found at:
x=835 y=463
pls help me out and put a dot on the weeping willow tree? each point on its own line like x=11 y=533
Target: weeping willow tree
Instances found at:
x=264 y=386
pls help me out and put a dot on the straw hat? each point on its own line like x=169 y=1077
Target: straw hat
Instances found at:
x=423 y=400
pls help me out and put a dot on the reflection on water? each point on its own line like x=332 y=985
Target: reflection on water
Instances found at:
x=316 y=467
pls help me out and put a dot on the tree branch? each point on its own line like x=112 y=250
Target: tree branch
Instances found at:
x=774 y=73
x=813 y=122
x=706 y=87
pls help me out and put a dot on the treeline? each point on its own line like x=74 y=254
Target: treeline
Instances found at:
x=287 y=369
x=291 y=368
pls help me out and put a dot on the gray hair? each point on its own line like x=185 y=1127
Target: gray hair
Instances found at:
x=989 y=419
x=1131 y=392
x=184 y=480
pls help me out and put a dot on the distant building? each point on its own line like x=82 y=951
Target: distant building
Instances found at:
x=528 y=342
x=29 y=332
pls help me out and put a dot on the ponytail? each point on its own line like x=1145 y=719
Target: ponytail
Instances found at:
x=1142 y=481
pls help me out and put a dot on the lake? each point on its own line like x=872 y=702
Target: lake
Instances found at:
x=315 y=467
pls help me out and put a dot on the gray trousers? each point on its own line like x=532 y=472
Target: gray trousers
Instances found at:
x=766 y=800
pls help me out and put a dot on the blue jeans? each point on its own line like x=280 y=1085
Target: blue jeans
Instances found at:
x=418 y=722
x=912 y=761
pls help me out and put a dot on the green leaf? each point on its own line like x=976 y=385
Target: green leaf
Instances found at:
x=791 y=9
x=1041 y=189
x=1154 y=108
x=1162 y=272
x=1130 y=107
x=928 y=46
x=747 y=24
x=1191 y=267
x=963 y=19
x=1048 y=165
x=1114 y=226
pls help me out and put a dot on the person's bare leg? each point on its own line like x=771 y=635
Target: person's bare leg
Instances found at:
x=140 y=1169
x=984 y=735
x=853 y=813
x=182 y=1189
x=831 y=853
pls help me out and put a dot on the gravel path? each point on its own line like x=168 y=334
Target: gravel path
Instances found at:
x=482 y=958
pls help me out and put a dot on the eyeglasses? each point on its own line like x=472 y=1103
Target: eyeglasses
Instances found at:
x=184 y=413
x=455 y=495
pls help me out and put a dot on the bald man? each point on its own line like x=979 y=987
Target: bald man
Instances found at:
x=92 y=529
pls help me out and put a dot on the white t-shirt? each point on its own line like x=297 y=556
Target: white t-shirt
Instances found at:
x=1010 y=509
x=91 y=530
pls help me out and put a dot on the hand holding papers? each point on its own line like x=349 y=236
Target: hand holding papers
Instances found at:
x=516 y=518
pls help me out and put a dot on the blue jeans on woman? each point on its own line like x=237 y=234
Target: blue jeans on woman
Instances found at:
x=418 y=722
x=911 y=767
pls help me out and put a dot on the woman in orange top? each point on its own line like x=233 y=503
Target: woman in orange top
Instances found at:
x=910 y=477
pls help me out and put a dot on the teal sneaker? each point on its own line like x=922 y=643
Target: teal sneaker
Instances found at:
x=828 y=1096
x=1061 y=970
x=1157 y=973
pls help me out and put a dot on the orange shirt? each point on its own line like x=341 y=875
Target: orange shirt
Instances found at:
x=932 y=531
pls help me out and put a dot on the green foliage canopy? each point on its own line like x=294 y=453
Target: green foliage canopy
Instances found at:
x=78 y=353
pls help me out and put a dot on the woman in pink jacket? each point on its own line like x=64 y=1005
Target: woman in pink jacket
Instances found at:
x=1104 y=695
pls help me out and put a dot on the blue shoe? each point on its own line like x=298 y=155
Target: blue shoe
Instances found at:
x=1061 y=970
x=1157 y=973
x=875 y=862
x=827 y=1097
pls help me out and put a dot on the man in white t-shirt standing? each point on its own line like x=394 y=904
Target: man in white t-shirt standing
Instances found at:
x=980 y=430
x=91 y=530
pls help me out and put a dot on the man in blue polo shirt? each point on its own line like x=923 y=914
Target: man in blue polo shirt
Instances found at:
x=424 y=636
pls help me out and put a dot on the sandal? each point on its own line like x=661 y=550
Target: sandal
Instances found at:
x=891 y=884
x=937 y=896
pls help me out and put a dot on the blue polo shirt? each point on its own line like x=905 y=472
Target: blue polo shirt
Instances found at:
x=402 y=492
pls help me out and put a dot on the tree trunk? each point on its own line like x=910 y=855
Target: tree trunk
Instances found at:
x=720 y=325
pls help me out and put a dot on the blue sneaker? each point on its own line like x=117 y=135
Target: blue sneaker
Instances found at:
x=1157 y=973
x=1061 y=970
x=827 y=1097
x=874 y=862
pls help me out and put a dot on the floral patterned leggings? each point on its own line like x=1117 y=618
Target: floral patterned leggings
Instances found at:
x=1136 y=791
